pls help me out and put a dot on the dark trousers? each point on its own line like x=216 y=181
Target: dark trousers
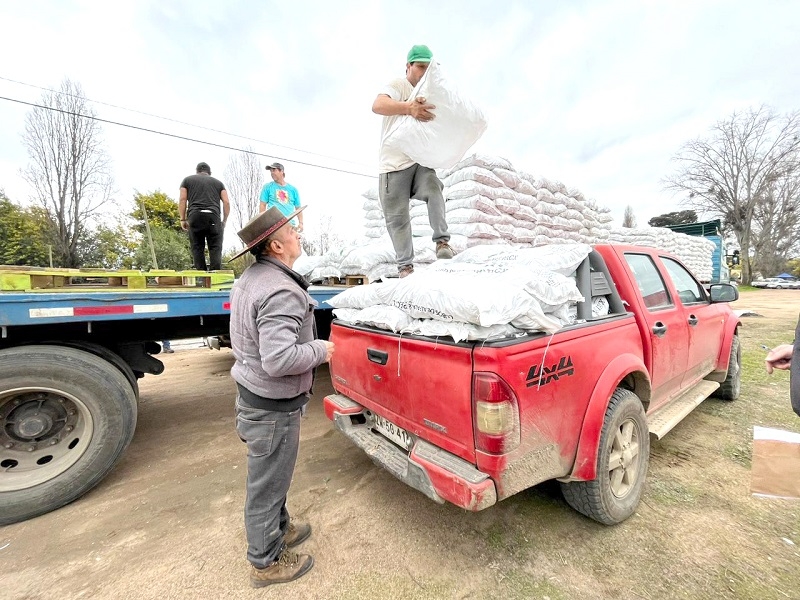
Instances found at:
x=205 y=227
x=273 y=439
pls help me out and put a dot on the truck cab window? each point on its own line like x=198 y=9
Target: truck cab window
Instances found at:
x=689 y=290
x=654 y=291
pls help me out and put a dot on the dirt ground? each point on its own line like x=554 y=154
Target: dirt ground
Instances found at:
x=167 y=522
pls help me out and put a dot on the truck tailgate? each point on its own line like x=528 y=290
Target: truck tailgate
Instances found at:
x=419 y=384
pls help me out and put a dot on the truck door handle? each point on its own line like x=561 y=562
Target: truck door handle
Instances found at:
x=659 y=329
x=377 y=356
x=692 y=320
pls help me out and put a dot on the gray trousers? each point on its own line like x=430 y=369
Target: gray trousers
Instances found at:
x=272 y=438
x=396 y=190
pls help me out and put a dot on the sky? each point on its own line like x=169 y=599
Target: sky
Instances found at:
x=598 y=95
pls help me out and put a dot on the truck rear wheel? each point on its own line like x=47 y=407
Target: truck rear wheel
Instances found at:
x=66 y=416
x=732 y=386
x=622 y=461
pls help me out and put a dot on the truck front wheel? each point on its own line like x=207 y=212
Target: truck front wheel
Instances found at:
x=622 y=461
x=66 y=416
x=732 y=386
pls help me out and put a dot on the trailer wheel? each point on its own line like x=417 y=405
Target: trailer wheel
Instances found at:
x=66 y=416
x=622 y=461
x=109 y=356
x=732 y=386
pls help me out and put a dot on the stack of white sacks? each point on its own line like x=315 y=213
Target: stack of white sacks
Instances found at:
x=489 y=205
x=489 y=202
x=694 y=252
x=485 y=292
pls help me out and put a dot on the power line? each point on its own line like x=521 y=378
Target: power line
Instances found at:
x=181 y=137
x=178 y=121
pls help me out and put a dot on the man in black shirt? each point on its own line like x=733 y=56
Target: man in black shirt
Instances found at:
x=199 y=211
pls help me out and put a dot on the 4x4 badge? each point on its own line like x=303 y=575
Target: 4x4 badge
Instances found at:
x=545 y=375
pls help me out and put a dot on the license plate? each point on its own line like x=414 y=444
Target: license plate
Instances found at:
x=397 y=434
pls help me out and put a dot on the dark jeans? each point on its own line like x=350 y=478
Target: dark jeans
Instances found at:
x=272 y=439
x=205 y=226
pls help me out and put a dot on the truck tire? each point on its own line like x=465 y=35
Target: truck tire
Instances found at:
x=66 y=416
x=732 y=386
x=622 y=460
x=109 y=356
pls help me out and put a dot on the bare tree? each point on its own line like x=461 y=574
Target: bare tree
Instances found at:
x=628 y=219
x=324 y=241
x=736 y=168
x=69 y=171
x=244 y=178
x=776 y=230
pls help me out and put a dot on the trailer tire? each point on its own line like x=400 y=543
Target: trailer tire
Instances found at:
x=732 y=386
x=109 y=356
x=622 y=460
x=66 y=417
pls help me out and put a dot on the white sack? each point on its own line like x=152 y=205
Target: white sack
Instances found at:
x=479 y=160
x=380 y=315
x=484 y=176
x=442 y=142
x=563 y=258
x=460 y=331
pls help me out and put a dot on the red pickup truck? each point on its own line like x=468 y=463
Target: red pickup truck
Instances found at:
x=474 y=422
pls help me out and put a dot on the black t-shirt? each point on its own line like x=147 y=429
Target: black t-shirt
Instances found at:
x=202 y=193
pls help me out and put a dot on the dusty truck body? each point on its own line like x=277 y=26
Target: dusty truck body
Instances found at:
x=473 y=423
x=73 y=345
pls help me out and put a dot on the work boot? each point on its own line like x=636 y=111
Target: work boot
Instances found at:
x=288 y=567
x=297 y=534
x=405 y=271
x=443 y=250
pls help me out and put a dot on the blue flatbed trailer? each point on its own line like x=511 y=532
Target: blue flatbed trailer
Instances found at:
x=70 y=361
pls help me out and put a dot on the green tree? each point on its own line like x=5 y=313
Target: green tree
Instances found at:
x=238 y=265
x=162 y=211
x=681 y=217
x=171 y=247
x=25 y=234
x=170 y=242
x=793 y=267
x=108 y=247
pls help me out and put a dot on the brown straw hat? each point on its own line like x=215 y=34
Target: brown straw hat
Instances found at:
x=259 y=228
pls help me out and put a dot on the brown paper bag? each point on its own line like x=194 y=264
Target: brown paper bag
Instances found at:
x=776 y=463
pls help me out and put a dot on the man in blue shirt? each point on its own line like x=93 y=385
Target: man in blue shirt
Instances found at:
x=281 y=195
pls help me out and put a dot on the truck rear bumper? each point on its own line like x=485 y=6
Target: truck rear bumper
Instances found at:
x=438 y=474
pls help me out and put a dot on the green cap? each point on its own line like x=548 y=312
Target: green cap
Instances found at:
x=419 y=53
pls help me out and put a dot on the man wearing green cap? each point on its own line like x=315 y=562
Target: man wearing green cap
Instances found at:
x=400 y=177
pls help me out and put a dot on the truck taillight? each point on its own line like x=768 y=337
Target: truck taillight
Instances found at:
x=496 y=414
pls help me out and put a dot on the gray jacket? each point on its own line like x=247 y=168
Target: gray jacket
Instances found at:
x=272 y=331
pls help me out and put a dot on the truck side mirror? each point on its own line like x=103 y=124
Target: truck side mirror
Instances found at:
x=723 y=292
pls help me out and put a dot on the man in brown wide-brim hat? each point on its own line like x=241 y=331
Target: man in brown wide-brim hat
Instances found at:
x=274 y=341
